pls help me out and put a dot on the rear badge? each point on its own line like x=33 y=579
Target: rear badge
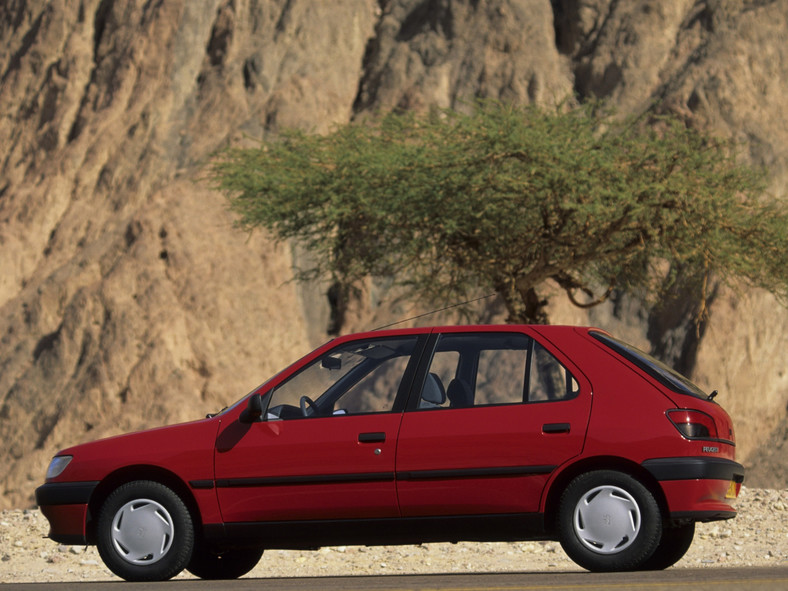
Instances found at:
x=709 y=449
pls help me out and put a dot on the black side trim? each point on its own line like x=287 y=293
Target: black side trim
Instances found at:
x=201 y=484
x=300 y=535
x=311 y=479
x=475 y=472
x=698 y=468
x=64 y=493
x=378 y=476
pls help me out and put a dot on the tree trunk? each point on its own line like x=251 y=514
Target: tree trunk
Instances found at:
x=524 y=306
x=338 y=295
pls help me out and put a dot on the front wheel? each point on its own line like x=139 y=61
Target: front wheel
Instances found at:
x=609 y=521
x=145 y=532
x=229 y=564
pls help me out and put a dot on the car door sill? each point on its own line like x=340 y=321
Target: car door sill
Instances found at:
x=301 y=535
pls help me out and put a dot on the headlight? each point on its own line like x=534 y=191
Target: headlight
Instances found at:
x=57 y=465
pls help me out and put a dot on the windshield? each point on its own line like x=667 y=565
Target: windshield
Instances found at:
x=654 y=367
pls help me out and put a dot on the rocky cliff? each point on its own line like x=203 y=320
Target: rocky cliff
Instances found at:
x=127 y=297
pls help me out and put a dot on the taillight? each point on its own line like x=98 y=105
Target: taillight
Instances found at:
x=693 y=424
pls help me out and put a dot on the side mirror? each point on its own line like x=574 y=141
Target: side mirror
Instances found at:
x=331 y=362
x=253 y=411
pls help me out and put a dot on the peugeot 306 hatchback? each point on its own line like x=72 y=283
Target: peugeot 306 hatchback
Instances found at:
x=494 y=433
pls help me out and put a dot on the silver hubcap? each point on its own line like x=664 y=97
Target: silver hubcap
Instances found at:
x=142 y=531
x=607 y=519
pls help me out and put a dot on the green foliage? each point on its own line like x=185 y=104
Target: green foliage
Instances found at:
x=513 y=198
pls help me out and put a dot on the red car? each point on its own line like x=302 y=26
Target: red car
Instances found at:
x=495 y=433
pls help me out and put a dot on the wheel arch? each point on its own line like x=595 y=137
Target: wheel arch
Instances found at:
x=618 y=464
x=139 y=472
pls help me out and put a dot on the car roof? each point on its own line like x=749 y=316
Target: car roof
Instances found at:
x=543 y=329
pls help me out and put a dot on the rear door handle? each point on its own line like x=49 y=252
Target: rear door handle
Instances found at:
x=371 y=437
x=556 y=427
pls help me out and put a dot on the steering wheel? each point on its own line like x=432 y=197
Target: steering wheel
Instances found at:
x=307 y=405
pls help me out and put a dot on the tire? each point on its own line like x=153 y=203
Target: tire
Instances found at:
x=608 y=521
x=145 y=532
x=229 y=564
x=672 y=546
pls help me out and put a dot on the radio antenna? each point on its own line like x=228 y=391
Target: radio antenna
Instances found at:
x=489 y=295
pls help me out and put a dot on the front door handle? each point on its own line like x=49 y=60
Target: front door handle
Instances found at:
x=556 y=428
x=371 y=437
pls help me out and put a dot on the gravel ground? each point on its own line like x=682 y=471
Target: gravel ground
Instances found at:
x=758 y=536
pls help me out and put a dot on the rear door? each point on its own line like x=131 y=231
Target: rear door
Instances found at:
x=498 y=412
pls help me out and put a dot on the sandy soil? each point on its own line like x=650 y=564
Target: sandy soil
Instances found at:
x=758 y=536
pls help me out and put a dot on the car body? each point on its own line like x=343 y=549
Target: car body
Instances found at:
x=495 y=433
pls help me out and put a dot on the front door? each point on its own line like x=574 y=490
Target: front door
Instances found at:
x=326 y=449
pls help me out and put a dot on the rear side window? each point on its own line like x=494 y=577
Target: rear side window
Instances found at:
x=547 y=378
x=666 y=375
x=485 y=369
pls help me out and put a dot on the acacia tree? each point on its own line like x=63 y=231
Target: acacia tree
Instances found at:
x=514 y=199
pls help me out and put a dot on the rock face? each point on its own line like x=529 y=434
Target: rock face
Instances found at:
x=127 y=297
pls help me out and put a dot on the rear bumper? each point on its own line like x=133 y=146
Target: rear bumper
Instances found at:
x=698 y=488
x=695 y=468
x=65 y=505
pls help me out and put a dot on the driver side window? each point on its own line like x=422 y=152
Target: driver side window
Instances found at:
x=356 y=378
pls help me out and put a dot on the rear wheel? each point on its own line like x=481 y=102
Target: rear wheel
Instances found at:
x=145 y=532
x=229 y=564
x=609 y=521
x=674 y=544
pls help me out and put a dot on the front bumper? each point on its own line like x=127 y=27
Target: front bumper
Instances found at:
x=698 y=488
x=65 y=505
